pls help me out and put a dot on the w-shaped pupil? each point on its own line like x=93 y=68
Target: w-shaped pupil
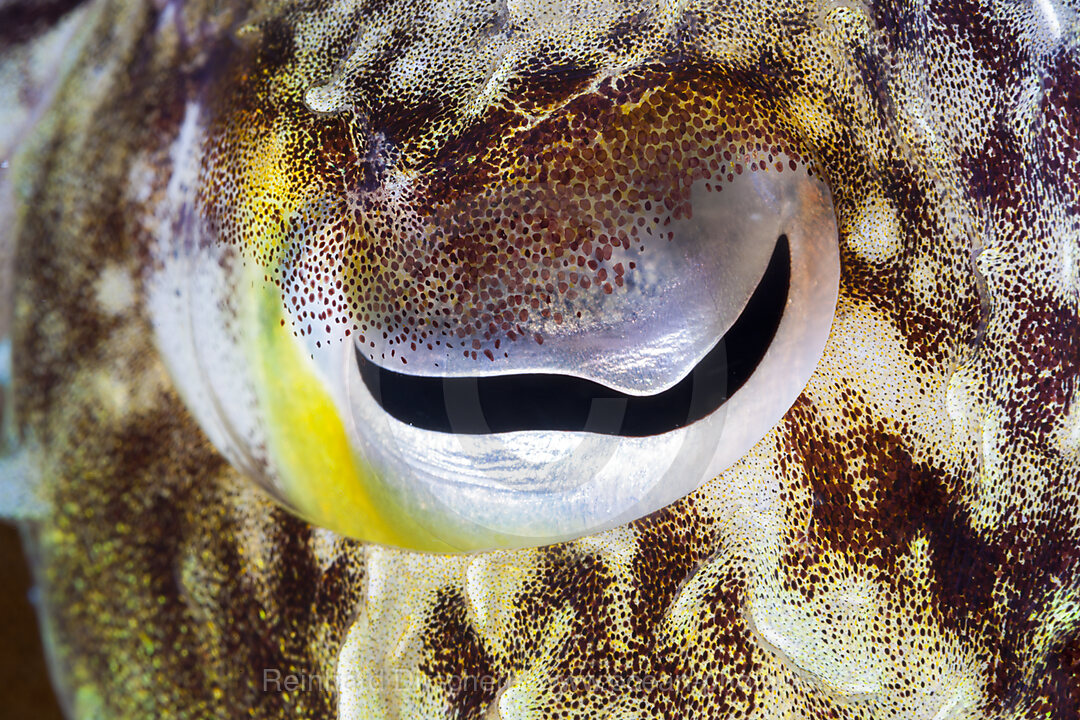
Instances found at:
x=533 y=401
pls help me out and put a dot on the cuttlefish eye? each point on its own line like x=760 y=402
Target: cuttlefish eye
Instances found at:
x=542 y=324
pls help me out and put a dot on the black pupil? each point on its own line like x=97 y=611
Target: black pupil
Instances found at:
x=506 y=403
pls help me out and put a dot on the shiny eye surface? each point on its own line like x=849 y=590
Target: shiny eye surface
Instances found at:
x=526 y=333
x=486 y=404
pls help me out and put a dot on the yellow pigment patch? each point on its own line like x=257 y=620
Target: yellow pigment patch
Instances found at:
x=269 y=192
x=323 y=475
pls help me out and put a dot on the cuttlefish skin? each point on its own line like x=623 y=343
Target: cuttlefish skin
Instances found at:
x=904 y=543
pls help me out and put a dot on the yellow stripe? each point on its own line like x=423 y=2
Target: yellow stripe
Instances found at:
x=325 y=478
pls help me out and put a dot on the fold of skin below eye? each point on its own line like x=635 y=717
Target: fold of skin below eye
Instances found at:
x=337 y=485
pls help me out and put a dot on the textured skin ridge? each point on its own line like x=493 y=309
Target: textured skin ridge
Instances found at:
x=903 y=544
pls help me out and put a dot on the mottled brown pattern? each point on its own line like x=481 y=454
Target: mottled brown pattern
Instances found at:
x=905 y=543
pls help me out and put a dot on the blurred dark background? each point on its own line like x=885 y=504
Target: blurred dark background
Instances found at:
x=25 y=690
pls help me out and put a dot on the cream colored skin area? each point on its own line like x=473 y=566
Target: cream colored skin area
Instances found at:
x=903 y=543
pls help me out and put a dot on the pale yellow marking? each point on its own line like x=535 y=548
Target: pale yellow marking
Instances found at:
x=115 y=290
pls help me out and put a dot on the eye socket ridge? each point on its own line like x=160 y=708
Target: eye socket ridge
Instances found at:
x=539 y=401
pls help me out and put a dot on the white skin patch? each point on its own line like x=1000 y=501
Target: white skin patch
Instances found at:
x=878 y=231
x=1049 y=14
x=115 y=290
